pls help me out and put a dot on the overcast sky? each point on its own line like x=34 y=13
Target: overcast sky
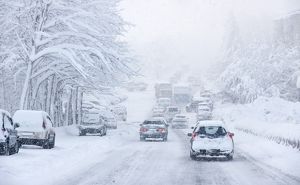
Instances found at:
x=176 y=32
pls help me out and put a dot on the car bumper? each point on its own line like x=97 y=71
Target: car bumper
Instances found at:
x=154 y=135
x=211 y=153
x=91 y=130
x=31 y=141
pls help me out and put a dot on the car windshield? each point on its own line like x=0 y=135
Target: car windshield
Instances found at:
x=153 y=122
x=91 y=118
x=212 y=131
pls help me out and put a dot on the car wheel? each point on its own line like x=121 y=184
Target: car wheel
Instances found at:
x=192 y=156
x=7 y=151
x=47 y=144
x=82 y=133
x=229 y=157
x=142 y=139
x=52 y=145
x=16 y=147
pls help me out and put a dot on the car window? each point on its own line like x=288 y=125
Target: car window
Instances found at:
x=215 y=131
x=7 y=122
x=153 y=122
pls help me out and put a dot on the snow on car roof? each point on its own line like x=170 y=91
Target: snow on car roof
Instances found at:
x=29 y=118
x=211 y=123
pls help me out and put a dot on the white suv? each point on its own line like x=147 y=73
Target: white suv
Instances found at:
x=36 y=128
x=210 y=138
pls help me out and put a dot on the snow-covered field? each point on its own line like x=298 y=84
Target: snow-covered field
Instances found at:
x=120 y=158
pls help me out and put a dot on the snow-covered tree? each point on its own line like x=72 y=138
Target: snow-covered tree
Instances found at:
x=53 y=45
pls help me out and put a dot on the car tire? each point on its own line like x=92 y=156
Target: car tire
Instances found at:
x=52 y=145
x=16 y=148
x=142 y=139
x=165 y=139
x=46 y=145
x=192 y=156
x=7 y=150
x=229 y=157
x=82 y=133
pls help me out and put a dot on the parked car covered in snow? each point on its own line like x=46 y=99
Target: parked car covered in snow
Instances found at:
x=155 y=128
x=36 y=128
x=171 y=111
x=8 y=134
x=92 y=123
x=211 y=139
x=109 y=119
x=120 y=112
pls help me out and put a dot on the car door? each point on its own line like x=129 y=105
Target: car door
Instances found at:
x=8 y=125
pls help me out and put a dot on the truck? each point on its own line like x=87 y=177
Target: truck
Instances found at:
x=163 y=90
x=182 y=95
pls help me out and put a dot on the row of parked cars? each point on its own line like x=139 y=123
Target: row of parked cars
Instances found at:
x=30 y=127
x=26 y=127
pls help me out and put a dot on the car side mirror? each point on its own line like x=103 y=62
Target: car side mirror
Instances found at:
x=167 y=125
x=16 y=125
x=192 y=127
x=189 y=134
x=141 y=124
x=230 y=134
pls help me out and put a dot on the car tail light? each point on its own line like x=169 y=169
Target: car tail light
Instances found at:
x=161 y=130
x=230 y=135
x=143 y=129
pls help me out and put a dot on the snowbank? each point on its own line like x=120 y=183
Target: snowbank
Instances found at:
x=272 y=118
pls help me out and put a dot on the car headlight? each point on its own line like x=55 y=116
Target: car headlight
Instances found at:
x=39 y=135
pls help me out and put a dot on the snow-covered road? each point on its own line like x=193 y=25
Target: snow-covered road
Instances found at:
x=120 y=158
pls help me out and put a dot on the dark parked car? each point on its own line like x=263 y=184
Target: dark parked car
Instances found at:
x=92 y=124
x=155 y=128
x=8 y=134
x=36 y=128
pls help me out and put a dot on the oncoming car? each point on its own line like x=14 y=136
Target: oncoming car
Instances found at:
x=210 y=138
